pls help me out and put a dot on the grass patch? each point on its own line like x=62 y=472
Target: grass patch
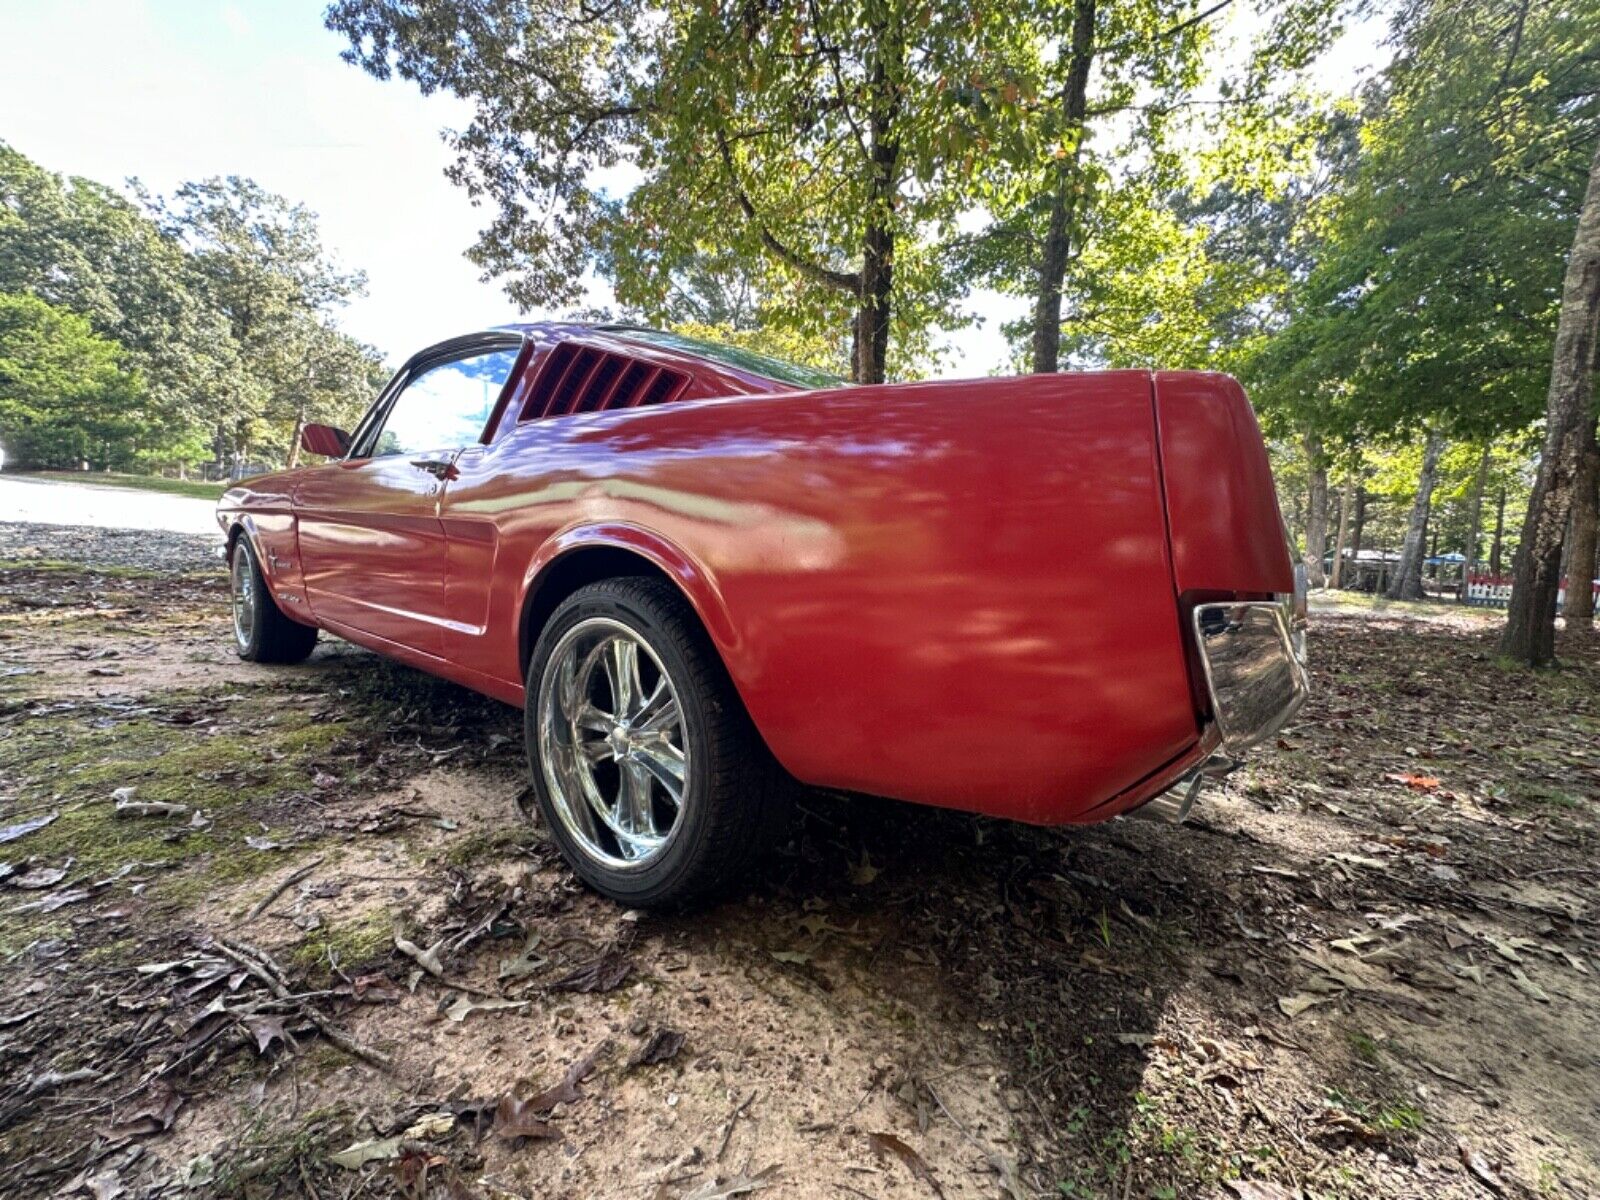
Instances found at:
x=60 y=566
x=1363 y=1046
x=358 y=942
x=198 y=488
x=231 y=772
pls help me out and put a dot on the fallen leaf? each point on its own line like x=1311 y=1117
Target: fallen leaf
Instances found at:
x=1296 y=1004
x=430 y=1127
x=739 y=1185
x=514 y=1118
x=604 y=974
x=465 y=1006
x=267 y=1030
x=155 y=1115
x=54 y=901
x=11 y=833
x=796 y=958
x=1479 y=1168
x=914 y=1162
x=42 y=877
x=662 y=1046
x=427 y=959
x=355 y=1156
x=149 y=808
x=863 y=872
x=376 y=988
x=565 y=1092
x=1528 y=987
x=1420 y=783
x=528 y=962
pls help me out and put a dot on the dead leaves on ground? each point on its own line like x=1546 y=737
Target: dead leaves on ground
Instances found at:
x=516 y=1117
x=603 y=974
x=913 y=1161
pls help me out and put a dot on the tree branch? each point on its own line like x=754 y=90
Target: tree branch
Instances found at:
x=849 y=281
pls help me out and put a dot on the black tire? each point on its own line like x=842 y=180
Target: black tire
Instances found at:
x=735 y=795
x=268 y=636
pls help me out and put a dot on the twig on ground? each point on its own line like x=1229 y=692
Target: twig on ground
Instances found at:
x=727 y=1126
x=271 y=897
x=269 y=973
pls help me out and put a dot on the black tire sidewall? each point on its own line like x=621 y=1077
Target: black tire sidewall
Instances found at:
x=673 y=640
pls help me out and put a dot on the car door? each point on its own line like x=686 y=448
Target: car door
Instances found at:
x=372 y=546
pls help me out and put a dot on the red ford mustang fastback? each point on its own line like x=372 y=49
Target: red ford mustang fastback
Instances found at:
x=705 y=574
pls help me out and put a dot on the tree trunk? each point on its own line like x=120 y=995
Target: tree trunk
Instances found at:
x=1406 y=584
x=1316 y=511
x=877 y=251
x=293 y=459
x=1530 y=634
x=1346 y=499
x=1495 y=560
x=1581 y=562
x=1057 y=249
x=1469 y=553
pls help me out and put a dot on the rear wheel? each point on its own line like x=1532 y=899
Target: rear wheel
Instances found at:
x=652 y=778
x=261 y=633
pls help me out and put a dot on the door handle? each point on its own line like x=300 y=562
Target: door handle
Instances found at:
x=439 y=468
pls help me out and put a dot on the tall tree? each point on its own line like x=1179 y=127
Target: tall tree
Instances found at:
x=834 y=143
x=1406 y=583
x=1569 y=420
x=260 y=262
x=79 y=245
x=1582 y=565
x=1469 y=550
x=1118 y=117
x=64 y=397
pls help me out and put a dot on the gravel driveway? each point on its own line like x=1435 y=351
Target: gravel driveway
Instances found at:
x=151 y=550
x=52 y=520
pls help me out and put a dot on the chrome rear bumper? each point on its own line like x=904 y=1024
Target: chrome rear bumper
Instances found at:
x=1253 y=656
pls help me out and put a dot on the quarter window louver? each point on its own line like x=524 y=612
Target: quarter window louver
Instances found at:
x=580 y=379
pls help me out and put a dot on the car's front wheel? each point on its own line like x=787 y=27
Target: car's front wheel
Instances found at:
x=261 y=632
x=647 y=769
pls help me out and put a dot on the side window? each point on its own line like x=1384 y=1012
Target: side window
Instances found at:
x=446 y=406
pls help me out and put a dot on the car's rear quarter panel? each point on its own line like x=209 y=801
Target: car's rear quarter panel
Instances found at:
x=956 y=593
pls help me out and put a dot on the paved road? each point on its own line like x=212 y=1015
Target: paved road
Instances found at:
x=55 y=502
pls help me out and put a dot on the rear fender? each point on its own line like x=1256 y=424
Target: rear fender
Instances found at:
x=691 y=577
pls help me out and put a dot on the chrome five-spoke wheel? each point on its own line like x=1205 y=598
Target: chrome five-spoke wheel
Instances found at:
x=647 y=770
x=613 y=743
x=244 y=599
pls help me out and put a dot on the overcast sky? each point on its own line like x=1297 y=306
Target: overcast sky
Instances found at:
x=170 y=90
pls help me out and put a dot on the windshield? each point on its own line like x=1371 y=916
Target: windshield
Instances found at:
x=746 y=360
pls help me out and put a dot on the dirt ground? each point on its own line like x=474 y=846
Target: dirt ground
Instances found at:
x=283 y=931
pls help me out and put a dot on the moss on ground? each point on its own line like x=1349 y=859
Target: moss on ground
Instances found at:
x=231 y=772
x=355 y=943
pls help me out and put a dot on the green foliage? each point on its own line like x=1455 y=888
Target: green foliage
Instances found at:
x=217 y=304
x=1435 y=268
x=64 y=397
